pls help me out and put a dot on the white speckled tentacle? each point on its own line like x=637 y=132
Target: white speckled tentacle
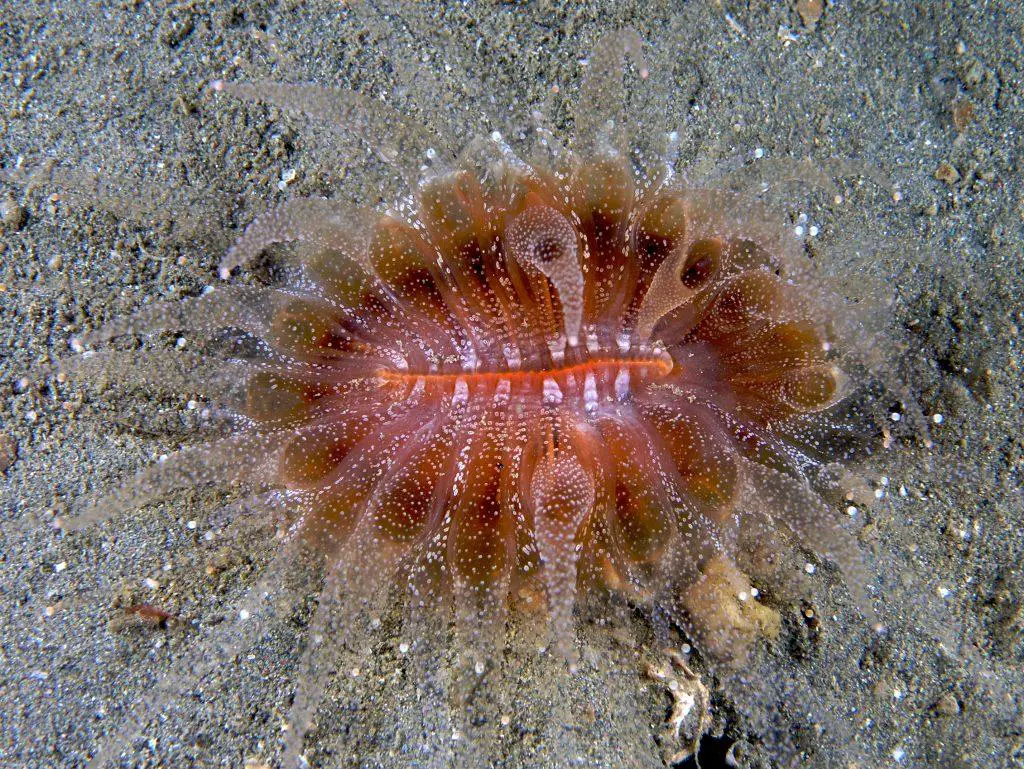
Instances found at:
x=251 y=309
x=318 y=662
x=325 y=224
x=563 y=495
x=340 y=623
x=230 y=460
x=397 y=140
x=601 y=103
x=544 y=239
x=791 y=505
x=249 y=619
x=173 y=372
x=247 y=308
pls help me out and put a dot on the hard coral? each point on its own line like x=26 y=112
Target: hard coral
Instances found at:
x=547 y=376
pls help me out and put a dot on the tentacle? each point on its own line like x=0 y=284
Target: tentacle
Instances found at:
x=562 y=496
x=480 y=542
x=246 y=308
x=184 y=209
x=408 y=503
x=340 y=625
x=343 y=470
x=701 y=455
x=601 y=194
x=397 y=140
x=322 y=223
x=544 y=239
x=262 y=603
x=365 y=563
x=454 y=211
x=790 y=503
x=641 y=522
x=680 y=275
x=157 y=370
x=234 y=459
x=601 y=100
x=297 y=327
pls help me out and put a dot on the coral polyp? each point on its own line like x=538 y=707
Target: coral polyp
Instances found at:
x=533 y=383
x=540 y=377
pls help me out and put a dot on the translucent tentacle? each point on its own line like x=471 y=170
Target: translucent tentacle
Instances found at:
x=322 y=223
x=543 y=238
x=231 y=460
x=480 y=544
x=271 y=391
x=241 y=307
x=274 y=504
x=319 y=661
x=601 y=102
x=803 y=514
x=396 y=139
x=127 y=196
x=563 y=495
x=160 y=370
x=357 y=575
x=814 y=174
x=665 y=293
x=262 y=603
x=250 y=309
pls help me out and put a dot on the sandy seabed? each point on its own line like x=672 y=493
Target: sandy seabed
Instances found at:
x=929 y=95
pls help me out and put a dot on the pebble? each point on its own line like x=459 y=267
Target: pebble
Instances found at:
x=947 y=705
x=810 y=11
x=947 y=173
x=8 y=452
x=13 y=215
x=963 y=113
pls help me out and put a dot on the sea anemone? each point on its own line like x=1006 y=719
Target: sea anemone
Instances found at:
x=547 y=373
